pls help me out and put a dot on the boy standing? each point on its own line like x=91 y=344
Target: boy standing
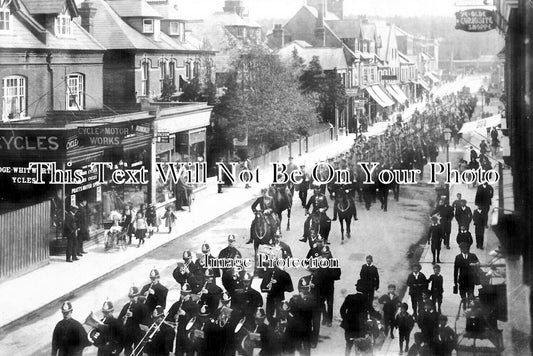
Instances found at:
x=404 y=322
x=436 y=288
x=390 y=303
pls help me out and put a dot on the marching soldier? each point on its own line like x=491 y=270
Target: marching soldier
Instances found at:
x=319 y=203
x=211 y=293
x=69 y=337
x=232 y=280
x=316 y=250
x=200 y=332
x=285 y=248
x=230 y=252
x=202 y=262
x=275 y=283
x=161 y=343
x=188 y=272
x=181 y=313
x=246 y=301
x=154 y=292
x=326 y=278
x=133 y=315
x=111 y=333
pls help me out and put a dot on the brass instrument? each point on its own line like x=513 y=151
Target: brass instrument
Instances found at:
x=94 y=333
x=270 y=283
x=175 y=326
x=251 y=341
x=184 y=268
x=147 y=293
x=201 y=292
x=126 y=317
x=154 y=328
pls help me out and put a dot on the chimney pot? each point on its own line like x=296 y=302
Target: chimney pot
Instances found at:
x=87 y=12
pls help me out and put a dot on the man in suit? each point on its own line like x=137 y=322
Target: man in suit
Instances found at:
x=463 y=215
x=417 y=283
x=483 y=199
x=446 y=216
x=369 y=278
x=464 y=273
x=479 y=223
x=70 y=231
x=354 y=313
x=82 y=221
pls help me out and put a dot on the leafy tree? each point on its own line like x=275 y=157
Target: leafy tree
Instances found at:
x=312 y=77
x=168 y=90
x=333 y=96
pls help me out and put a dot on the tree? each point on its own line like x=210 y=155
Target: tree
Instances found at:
x=334 y=96
x=312 y=77
x=168 y=90
x=263 y=101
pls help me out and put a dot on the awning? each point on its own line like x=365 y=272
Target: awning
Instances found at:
x=482 y=124
x=379 y=96
x=397 y=93
x=423 y=84
x=432 y=77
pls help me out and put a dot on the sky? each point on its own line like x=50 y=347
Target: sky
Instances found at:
x=278 y=9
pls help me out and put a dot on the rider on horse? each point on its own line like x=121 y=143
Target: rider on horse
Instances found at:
x=319 y=203
x=266 y=205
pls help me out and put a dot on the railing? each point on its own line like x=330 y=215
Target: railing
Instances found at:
x=24 y=239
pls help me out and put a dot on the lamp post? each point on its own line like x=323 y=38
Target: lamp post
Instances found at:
x=447 y=137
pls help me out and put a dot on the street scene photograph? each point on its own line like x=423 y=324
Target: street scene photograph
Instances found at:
x=266 y=177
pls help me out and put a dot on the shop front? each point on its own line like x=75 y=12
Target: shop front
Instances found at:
x=379 y=104
x=181 y=137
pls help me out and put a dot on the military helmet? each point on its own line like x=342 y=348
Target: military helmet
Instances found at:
x=231 y=238
x=226 y=297
x=209 y=273
x=260 y=313
x=187 y=255
x=133 y=292
x=107 y=307
x=206 y=248
x=204 y=310
x=247 y=277
x=66 y=307
x=154 y=274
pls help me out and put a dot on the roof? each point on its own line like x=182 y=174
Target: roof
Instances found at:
x=368 y=31
x=400 y=32
x=345 y=28
x=50 y=6
x=133 y=8
x=225 y=19
x=250 y=22
x=404 y=59
x=330 y=57
x=302 y=44
x=168 y=12
x=314 y=11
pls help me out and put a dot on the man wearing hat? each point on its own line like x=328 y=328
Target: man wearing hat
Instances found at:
x=354 y=313
x=267 y=204
x=316 y=250
x=319 y=203
x=310 y=295
x=70 y=231
x=285 y=248
x=161 y=343
x=82 y=222
x=230 y=252
x=211 y=294
x=417 y=283
x=132 y=316
x=464 y=273
x=188 y=272
x=182 y=312
x=463 y=215
x=325 y=282
x=69 y=337
x=275 y=283
x=111 y=338
x=247 y=300
x=304 y=185
x=206 y=257
x=154 y=292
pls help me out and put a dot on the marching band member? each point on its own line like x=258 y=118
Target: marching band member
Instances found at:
x=285 y=248
x=211 y=293
x=202 y=261
x=326 y=278
x=301 y=328
x=246 y=301
x=160 y=344
x=275 y=283
x=188 y=272
x=154 y=292
x=316 y=250
x=284 y=328
x=133 y=315
x=181 y=313
x=69 y=337
x=309 y=293
x=230 y=252
x=111 y=338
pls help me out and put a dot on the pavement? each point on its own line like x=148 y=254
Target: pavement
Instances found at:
x=59 y=281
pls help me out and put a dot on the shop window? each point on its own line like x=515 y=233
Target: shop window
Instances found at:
x=148 y=26
x=75 y=92
x=62 y=24
x=5 y=20
x=145 y=74
x=14 y=103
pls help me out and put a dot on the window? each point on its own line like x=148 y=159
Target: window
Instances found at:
x=172 y=71
x=14 y=98
x=372 y=75
x=75 y=92
x=145 y=73
x=174 y=28
x=62 y=24
x=162 y=72
x=196 y=69
x=148 y=26
x=365 y=75
x=5 y=20
x=240 y=32
x=188 y=70
x=365 y=47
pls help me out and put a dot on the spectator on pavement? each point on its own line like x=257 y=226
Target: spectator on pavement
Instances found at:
x=463 y=215
x=464 y=274
x=464 y=236
x=404 y=322
x=417 y=283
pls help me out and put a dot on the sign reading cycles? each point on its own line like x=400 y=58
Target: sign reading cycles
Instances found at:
x=475 y=20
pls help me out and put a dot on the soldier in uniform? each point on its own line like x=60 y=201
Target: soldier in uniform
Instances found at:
x=202 y=261
x=154 y=292
x=316 y=250
x=181 y=313
x=319 y=203
x=211 y=293
x=133 y=315
x=304 y=186
x=325 y=281
x=275 y=283
x=246 y=301
x=111 y=333
x=300 y=326
x=161 y=343
x=69 y=337
x=354 y=313
x=310 y=294
x=230 y=252
x=285 y=248
x=266 y=204
x=188 y=272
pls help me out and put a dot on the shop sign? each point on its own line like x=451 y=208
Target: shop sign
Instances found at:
x=99 y=193
x=73 y=142
x=475 y=20
x=163 y=137
x=352 y=92
x=196 y=137
x=389 y=77
x=104 y=135
x=29 y=141
x=144 y=129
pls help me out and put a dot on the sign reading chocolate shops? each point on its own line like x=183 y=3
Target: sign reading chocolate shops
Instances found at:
x=475 y=20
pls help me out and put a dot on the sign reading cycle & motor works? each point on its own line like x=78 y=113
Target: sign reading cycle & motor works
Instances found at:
x=475 y=20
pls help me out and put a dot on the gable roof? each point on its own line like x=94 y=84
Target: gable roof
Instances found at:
x=51 y=7
x=368 y=31
x=133 y=8
x=345 y=28
x=314 y=11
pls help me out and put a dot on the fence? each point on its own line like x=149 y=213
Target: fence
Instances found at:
x=24 y=239
x=303 y=145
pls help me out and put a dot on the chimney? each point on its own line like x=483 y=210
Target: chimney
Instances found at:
x=235 y=6
x=320 y=31
x=278 y=35
x=87 y=12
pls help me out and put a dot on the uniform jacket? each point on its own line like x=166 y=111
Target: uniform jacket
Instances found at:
x=112 y=337
x=463 y=273
x=158 y=298
x=484 y=195
x=247 y=301
x=283 y=283
x=435 y=235
x=161 y=344
x=69 y=338
x=264 y=204
x=317 y=202
x=369 y=277
x=140 y=315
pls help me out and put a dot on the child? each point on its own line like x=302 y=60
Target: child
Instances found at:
x=435 y=238
x=170 y=218
x=404 y=322
x=436 y=288
x=140 y=228
x=446 y=338
x=390 y=306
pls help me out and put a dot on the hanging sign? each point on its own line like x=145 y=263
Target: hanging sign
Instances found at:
x=475 y=20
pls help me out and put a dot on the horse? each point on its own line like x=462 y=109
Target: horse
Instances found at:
x=318 y=224
x=345 y=207
x=263 y=229
x=282 y=201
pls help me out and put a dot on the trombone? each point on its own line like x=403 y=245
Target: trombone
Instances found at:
x=154 y=328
